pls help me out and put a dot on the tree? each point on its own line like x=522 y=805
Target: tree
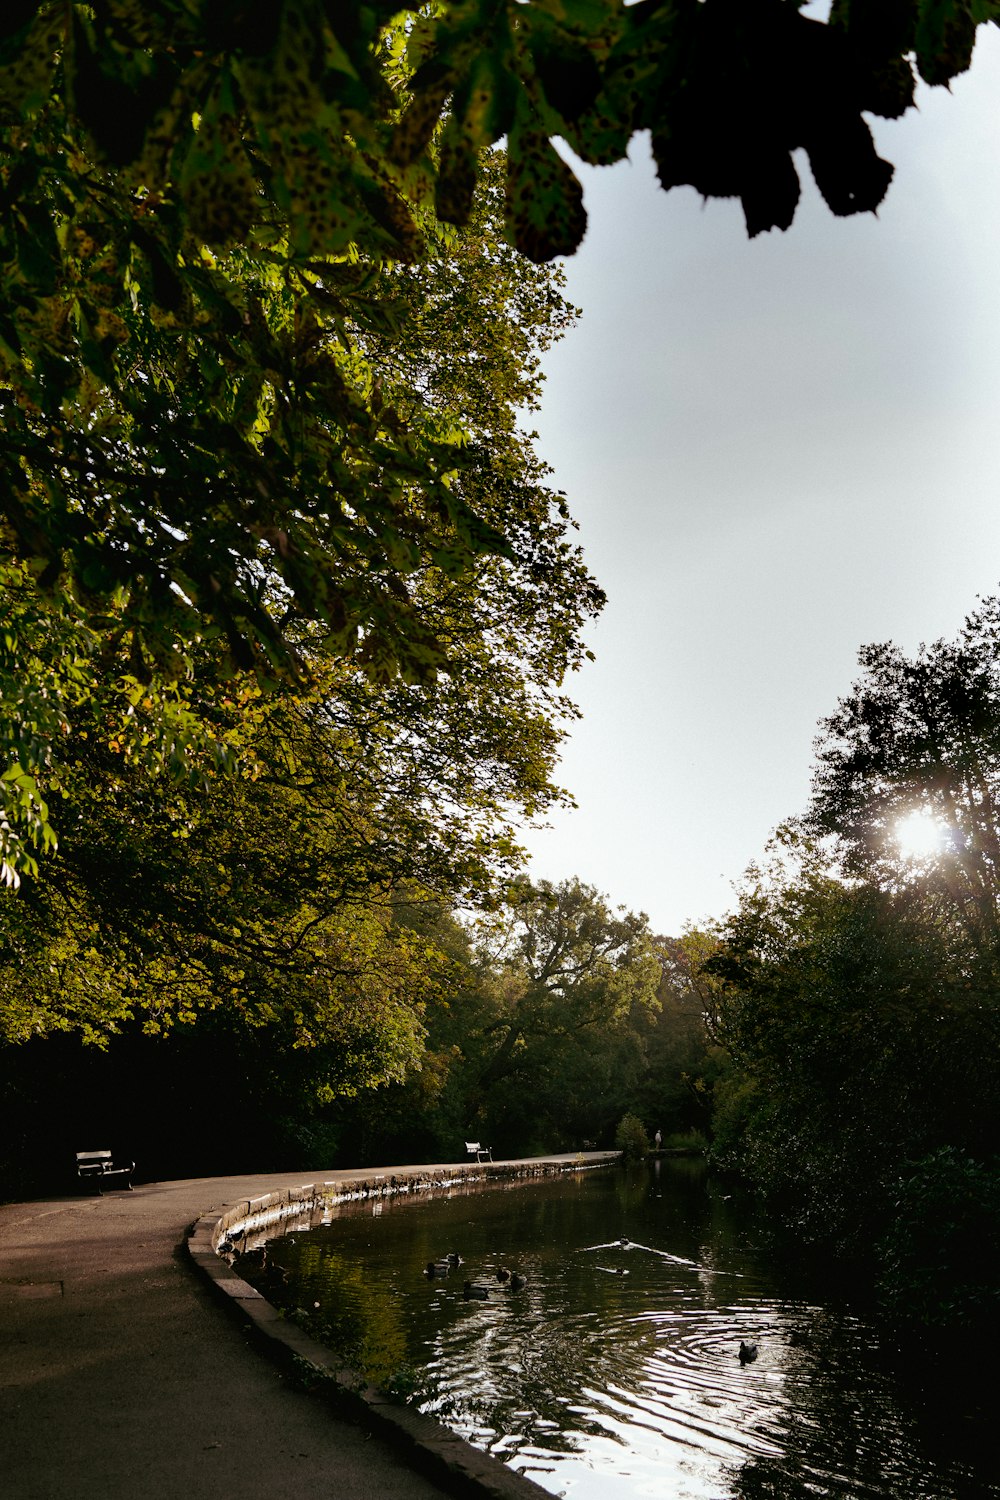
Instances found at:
x=251 y=895
x=557 y=1083
x=198 y=209
x=857 y=987
x=681 y=1056
x=279 y=879
x=860 y=1046
x=562 y=975
x=533 y=1043
x=379 y=778
x=456 y=347
x=233 y=841
x=329 y=111
x=921 y=735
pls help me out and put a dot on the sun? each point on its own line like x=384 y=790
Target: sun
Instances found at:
x=920 y=834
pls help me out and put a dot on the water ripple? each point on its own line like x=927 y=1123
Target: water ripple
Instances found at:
x=614 y=1386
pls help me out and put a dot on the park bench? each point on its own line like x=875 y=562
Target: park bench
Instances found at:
x=99 y=1167
x=481 y=1153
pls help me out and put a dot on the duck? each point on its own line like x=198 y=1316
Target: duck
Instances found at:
x=454 y=1259
x=747 y=1354
x=502 y=1274
x=471 y=1290
x=517 y=1281
x=437 y=1268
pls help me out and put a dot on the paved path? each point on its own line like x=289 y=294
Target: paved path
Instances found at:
x=121 y=1376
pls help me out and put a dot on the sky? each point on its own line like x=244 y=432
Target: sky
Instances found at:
x=776 y=450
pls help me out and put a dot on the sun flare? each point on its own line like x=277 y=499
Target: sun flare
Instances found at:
x=920 y=835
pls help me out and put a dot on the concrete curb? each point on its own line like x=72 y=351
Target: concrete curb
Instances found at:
x=444 y=1457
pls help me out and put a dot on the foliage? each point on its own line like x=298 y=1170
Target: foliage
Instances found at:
x=538 y=1042
x=858 y=1046
x=290 y=1050
x=567 y=973
x=271 y=892
x=269 y=889
x=231 y=317
x=215 y=219
x=938 y=1255
x=253 y=450
x=326 y=114
x=857 y=989
x=631 y=1138
x=666 y=1061
x=921 y=734
x=685 y=1140
x=440 y=766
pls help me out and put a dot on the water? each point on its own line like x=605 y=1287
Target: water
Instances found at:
x=614 y=1373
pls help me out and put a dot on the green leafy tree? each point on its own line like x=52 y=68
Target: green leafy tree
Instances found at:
x=565 y=973
x=937 y=1257
x=681 y=1058
x=859 y=1046
x=235 y=941
x=424 y=1118
x=237 y=442
x=454 y=349
x=160 y=907
x=631 y=1138
x=350 y=782
x=163 y=900
x=533 y=1041
x=204 y=217
x=920 y=736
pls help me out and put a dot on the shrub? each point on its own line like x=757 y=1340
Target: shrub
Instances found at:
x=631 y=1139
x=685 y=1140
x=938 y=1260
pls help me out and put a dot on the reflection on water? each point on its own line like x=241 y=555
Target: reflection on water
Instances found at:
x=614 y=1371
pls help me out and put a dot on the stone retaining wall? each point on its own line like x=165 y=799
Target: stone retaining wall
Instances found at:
x=251 y=1216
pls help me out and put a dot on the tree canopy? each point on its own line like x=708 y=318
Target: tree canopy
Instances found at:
x=856 y=988
x=228 y=847
x=864 y=1047
x=537 y=1039
x=288 y=601
x=228 y=314
x=458 y=349
x=920 y=735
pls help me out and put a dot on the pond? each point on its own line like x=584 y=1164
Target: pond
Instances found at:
x=614 y=1372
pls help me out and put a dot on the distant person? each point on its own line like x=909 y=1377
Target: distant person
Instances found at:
x=658 y=1138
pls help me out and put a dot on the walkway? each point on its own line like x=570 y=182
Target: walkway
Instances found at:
x=122 y=1376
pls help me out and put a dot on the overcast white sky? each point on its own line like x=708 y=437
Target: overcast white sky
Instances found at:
x=776 y=451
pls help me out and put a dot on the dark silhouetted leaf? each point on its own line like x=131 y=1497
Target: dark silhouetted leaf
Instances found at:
x=945 y=37
x=849 y=173
x=545 y=213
